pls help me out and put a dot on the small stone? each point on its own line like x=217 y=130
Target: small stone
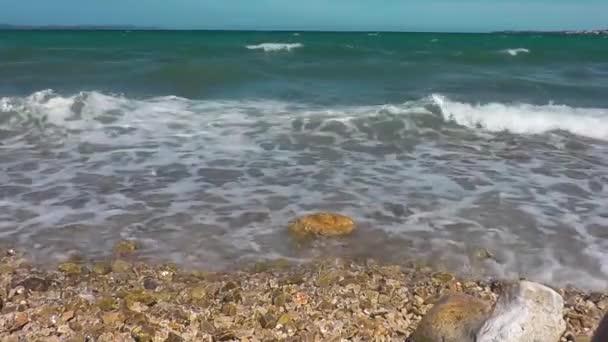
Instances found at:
x=64 y=329
x=17 y=291
x=10 y=338
x=6 y=269
x=325 y=279
x=326 y=306
x=207 y=327
x=102 y=268
x=113 y=319
x=125 y=247
x=67 y=316
x=107 y=304
x=20 y=320
x=229 y=286
x=150 y=284
x=174 y=338
x=280 y=299
x=483 y=254
x=233 y=296
x=603 y=304
x=300 y=298
x=106 y=337
x=322 y=224
x=139 y=301
x=443 y=277
x=225 y=336
x=222 y=322
x=294 y=279
x=70 y=268
x=142 y=334
x=229 y=309
x=596 y=296
x=167 y=272
x=35 y=284
x=372 y=296
x=267 y=321
x=120 y=266
x=75 y=326
x=284 y=320
x=198 y=293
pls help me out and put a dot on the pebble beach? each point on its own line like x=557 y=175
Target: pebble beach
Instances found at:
x=124 y=299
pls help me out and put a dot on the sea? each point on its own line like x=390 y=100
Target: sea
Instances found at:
x=479 y=154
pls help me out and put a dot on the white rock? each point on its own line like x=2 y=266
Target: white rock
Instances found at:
x=525 y=312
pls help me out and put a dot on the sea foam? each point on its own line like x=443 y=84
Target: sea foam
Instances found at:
x=270 y=47
x=526 y=118
x=515 y=52
x=214 y=181
x=88 y=110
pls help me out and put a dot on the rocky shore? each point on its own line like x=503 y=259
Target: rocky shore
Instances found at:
x=123 y=299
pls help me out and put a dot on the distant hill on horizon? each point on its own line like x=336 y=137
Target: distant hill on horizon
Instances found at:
x=580 y=32
x=76 y=27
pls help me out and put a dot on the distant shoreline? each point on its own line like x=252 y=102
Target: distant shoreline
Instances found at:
x=573 y=32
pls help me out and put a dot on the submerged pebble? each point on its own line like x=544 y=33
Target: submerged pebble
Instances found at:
x=322 y=224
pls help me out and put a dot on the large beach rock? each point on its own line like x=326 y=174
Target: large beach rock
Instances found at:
x=525 y=312
x=454 y=318
x=322 y=224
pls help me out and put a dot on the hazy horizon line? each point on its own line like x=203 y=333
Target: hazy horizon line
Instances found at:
x=85 y=27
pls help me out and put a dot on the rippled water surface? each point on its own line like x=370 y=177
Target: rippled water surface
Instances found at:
x=203 y=146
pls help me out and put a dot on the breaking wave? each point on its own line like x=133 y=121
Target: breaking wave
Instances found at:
x=270 y=47
x=93 y=110
x=515 y=52
x=526 y=118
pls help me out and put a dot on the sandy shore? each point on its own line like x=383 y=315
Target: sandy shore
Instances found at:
x=122 y=299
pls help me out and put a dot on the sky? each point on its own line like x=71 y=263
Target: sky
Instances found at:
x=333 y=15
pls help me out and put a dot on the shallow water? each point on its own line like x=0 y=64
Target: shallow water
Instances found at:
x=203 y=146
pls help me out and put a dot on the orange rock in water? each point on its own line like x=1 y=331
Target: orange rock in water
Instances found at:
x=323 y=224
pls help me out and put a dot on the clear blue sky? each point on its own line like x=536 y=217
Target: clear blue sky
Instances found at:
x=418 y=15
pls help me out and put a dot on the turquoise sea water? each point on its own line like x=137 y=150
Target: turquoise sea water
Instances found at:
x=203 y=145
x=330 y=68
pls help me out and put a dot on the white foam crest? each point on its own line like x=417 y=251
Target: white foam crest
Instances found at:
x=81 y=112
x=515 y=52
x=271 y=47
x=46 y=107
x=84 y=112
x=526 y=118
